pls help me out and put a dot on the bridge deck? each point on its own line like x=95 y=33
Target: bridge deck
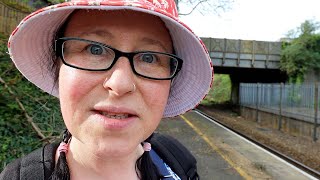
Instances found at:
x=243 y=53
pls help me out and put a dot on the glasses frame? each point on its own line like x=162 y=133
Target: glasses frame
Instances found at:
x=129 y=55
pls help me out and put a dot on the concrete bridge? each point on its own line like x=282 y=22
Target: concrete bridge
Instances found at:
x=243 y=53
x=246 y=61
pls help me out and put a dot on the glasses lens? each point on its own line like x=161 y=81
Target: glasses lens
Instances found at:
x=155 y=65
x=87 y=55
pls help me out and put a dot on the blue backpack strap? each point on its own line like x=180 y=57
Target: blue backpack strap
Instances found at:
x=178 y=157
x=159 y=163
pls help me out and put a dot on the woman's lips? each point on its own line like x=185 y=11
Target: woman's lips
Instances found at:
x=114 y=110
x=115 y=120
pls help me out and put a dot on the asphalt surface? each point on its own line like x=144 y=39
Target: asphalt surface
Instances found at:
x=224 y=155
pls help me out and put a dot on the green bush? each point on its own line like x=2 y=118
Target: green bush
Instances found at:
x=220 y=91
x=302 y=53
x=17 y=136
x=3 y=46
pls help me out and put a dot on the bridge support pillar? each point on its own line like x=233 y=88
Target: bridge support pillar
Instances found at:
x=235 y=83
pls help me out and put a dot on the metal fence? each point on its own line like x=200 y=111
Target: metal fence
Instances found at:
x=289 y=100
x=9 y=18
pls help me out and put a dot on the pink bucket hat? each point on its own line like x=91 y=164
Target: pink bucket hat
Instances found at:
x=29 y=47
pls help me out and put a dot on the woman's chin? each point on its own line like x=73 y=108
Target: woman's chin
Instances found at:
x=113 y=148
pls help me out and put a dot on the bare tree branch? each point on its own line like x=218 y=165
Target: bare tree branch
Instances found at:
x=29 y=119
x=42 y=105
x=194 y=7
x=205 y=7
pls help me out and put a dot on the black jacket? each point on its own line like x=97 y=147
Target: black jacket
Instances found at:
x=32 y=166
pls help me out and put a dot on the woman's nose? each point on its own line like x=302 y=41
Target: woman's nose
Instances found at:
x=120 y=79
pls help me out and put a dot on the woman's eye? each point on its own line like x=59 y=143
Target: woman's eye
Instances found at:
x=95 y=49
x=148 y=58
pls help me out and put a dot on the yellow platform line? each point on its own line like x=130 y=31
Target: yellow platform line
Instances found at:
x=215 y=148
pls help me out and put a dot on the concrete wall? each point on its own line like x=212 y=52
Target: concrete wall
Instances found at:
x=288 y=125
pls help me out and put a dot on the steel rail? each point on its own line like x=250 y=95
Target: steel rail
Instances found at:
x=288 y=159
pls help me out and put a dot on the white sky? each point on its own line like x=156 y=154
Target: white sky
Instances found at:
x=266 y=20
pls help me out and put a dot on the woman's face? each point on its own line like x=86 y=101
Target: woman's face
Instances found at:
x=103 y=110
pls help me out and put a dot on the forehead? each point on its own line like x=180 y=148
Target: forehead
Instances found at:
x=118 y=24
x=127 y=18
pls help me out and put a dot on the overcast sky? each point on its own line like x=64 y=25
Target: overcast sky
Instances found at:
x=267 y=20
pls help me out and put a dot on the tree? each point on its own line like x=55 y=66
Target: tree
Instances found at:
x=302 y=54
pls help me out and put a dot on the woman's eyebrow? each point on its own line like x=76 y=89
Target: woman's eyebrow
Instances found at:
x=155 y=42
x=104 y=34
x=97 y=32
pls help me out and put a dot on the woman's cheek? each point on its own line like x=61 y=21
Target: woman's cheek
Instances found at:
x=74 y=84
x=157 y=96
x=72 y=89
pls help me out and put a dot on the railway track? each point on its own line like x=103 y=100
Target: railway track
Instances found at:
x=267 y=148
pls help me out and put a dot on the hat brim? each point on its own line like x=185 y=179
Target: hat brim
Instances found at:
x=29 y=47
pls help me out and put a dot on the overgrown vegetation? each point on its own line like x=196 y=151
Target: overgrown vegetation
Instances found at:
x=220 y=91
x=301 y=53
x=3 y=46
x=17 y=135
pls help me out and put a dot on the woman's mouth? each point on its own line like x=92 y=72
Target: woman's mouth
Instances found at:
x=115 y=120
x=115 y=116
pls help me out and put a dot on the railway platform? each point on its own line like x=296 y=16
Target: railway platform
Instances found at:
x=222 y=154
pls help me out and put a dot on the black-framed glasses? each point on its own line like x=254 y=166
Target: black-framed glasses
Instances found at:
x=94 y=56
